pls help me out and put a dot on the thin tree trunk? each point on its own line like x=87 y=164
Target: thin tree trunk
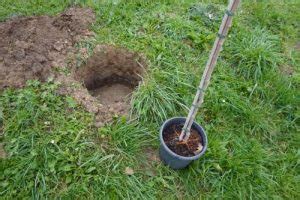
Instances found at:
x=210 y=65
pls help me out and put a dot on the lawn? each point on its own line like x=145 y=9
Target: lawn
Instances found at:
x=250 y=111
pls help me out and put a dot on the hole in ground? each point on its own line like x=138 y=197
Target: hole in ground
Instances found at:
x=111 y=75
x=111 y=90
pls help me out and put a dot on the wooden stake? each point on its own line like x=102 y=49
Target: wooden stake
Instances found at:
x=210 y=65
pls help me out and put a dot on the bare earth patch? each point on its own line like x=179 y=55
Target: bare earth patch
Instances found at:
x=35 y=47
x=31 y=46
x=149 y=160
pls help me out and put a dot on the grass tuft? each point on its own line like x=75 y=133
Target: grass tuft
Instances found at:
x=154 y=102
x=254 y=52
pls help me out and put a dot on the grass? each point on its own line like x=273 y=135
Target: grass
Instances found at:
x=250 y=112
x=255 y=51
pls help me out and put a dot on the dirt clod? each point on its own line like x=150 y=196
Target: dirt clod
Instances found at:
x=191 y=147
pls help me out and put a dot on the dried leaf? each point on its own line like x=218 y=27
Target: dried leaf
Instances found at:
x=129 y=171
x=199 y=149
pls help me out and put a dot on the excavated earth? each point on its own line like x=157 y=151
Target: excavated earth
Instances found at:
x=40 y=47
x=31 y=46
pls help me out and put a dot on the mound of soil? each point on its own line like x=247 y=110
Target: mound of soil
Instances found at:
x=191 y=147
x=30 y=46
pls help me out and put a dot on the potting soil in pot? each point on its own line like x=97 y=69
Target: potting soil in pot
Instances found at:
x=191 y=147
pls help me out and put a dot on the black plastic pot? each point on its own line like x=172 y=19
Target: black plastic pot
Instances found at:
x=172 y=159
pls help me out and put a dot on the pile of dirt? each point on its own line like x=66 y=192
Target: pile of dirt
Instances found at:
x=31 y=46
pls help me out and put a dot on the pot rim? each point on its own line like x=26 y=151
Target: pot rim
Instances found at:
x=202 y=134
